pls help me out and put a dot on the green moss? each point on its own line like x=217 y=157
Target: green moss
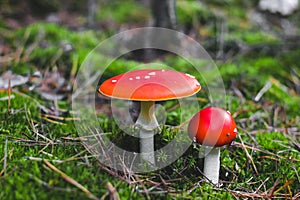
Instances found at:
x=272 y=141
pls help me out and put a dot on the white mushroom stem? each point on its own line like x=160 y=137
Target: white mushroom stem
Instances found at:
x=147 y=124
x=212 y=164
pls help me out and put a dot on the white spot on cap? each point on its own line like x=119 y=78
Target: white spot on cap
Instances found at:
x=130 y=79
x=163 y=70
x=228 y=111
x=147 y=77
x=137 y=77
x=113 y=81
x=190 y=76
x=235 y=130
x=151 y=73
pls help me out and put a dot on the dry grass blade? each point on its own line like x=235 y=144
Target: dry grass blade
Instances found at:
x=71 y=180
x=263 y=151
x=296 y=145
x=34 y=130
x=261 y=185
x=9 y=93
x=60 y=118
x=42 y=159
x=113 y=194
x=295 y=170
x=53 y=121
x=7 y=98
x=49 y=186
x=3 y=171
x=297 y=196
x=272 y=190
x=78 y=156
x=248 y=155
x=285 y=185
x=246 y=195
x=265 y=88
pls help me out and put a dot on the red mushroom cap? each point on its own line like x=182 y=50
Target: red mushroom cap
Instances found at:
x=213 y=127
x=150 y=85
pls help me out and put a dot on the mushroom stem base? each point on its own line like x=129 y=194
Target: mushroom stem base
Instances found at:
x=212 y=164
x=147 y=146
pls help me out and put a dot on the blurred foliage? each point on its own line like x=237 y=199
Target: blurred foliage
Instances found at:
x=45 y=45
x=40 y=7
x=254 y=37
x=123 y=12
x=192 y=13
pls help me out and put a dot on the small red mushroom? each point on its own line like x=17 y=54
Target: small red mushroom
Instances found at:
x=212 y=127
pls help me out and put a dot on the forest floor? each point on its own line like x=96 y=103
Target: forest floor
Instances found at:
x=44 y=156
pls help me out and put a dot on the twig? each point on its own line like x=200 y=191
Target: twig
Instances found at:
x=71 y=180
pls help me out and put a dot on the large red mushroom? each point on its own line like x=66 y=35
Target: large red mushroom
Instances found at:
x=148 y=86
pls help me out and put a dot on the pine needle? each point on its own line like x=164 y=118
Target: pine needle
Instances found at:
x=71 y=180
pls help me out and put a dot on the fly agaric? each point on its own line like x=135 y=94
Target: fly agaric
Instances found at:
x=148 y=86
x=212 y=127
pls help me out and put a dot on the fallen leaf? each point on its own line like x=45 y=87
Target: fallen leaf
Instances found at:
x=15 y=80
